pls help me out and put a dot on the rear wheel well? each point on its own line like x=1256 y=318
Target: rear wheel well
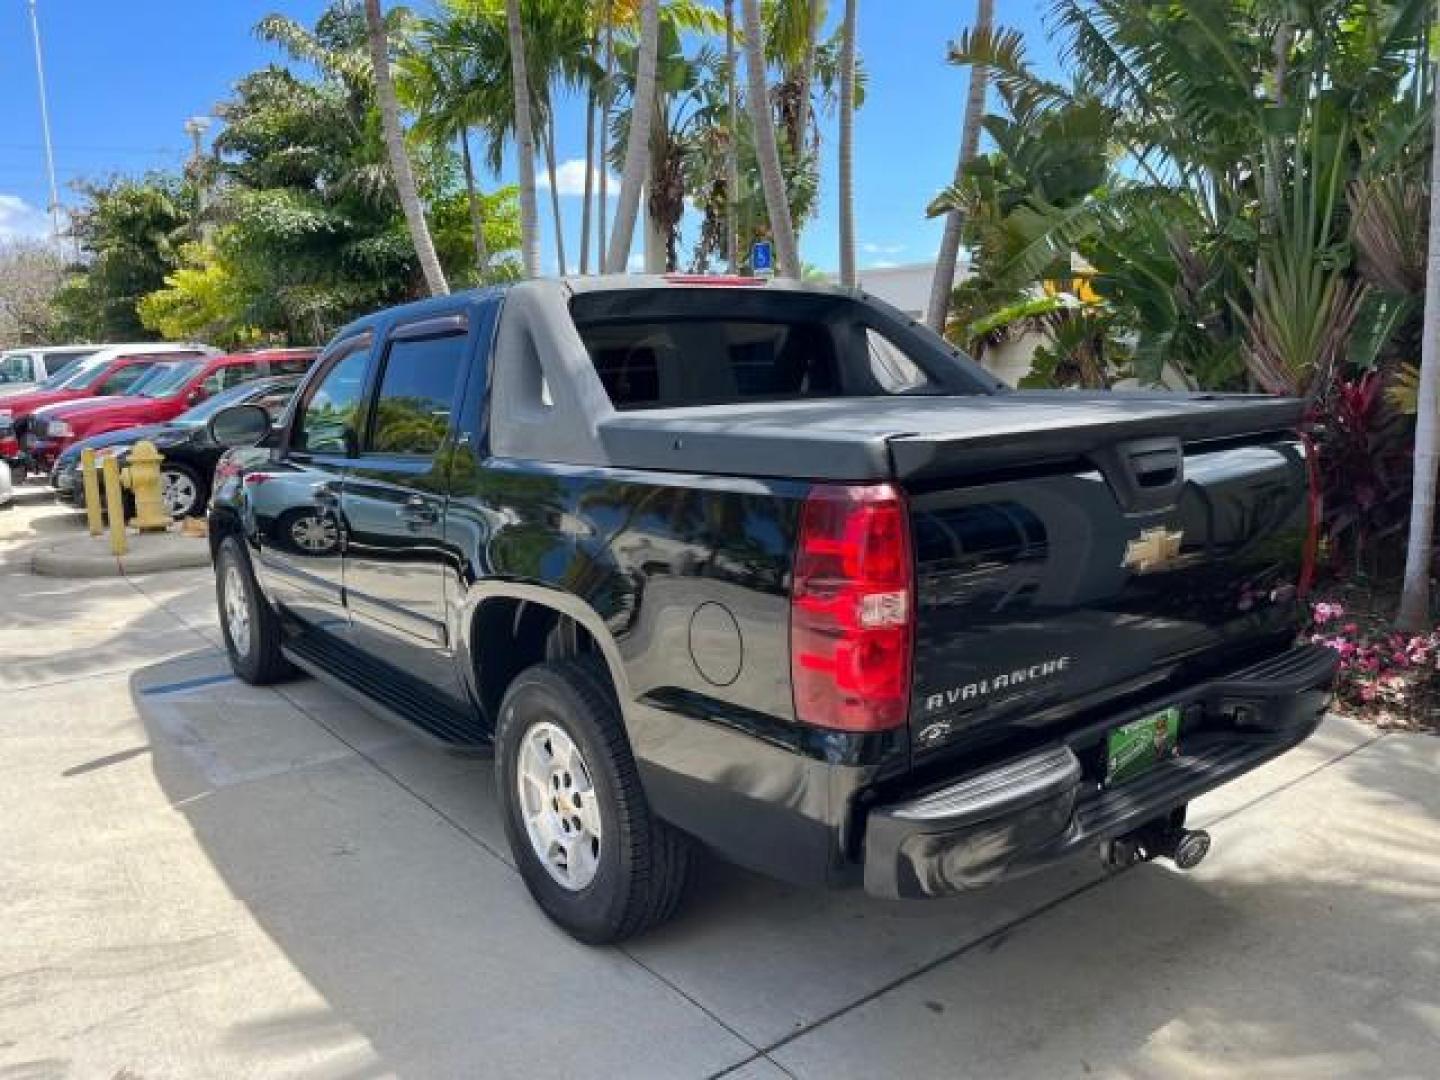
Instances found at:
x=509 y=635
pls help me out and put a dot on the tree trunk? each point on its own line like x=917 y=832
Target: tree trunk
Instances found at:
x=589 y=163
x=399 y=159
x=637 y=146
x=524 y=142
x=944 y=280
x=657 y=240
x=847 y=145
x=603 y=209
x=549 y=133
x=732 y=148
x=806 y=77
x=477 y=220
x=777 y=205
x=1414 y=614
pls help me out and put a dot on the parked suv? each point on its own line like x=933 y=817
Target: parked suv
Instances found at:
x=185 y=443
x=21 y=369
x=772 y=570
x=164 y=394
x=110 y=371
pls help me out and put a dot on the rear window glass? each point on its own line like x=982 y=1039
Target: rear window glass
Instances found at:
x=790 y=347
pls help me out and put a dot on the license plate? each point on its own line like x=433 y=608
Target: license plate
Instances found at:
x=1134 y=747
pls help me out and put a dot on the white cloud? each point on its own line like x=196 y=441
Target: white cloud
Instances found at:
x=636 y=263
x=882 y=264
x=882 y=249
x=570 y=179
x=19 y=219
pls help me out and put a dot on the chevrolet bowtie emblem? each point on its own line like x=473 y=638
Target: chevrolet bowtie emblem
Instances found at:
x=1152 y=549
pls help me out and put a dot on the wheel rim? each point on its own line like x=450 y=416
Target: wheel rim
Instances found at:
x=237 y=610
x=559 y=805
x=178 y=492
x=313 y=533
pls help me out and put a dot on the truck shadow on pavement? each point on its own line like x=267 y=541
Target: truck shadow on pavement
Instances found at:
x=378 y=869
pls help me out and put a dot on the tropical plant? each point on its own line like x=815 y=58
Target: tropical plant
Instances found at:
x=847 y=144
x=772 y=180
x=400 y=169
x=130 y=233
x=524 y=139
x=944 y=280
x=1414 y=613
x=637 y=142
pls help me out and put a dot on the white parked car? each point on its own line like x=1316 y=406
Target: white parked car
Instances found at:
x=21 y=369
x=7 y=492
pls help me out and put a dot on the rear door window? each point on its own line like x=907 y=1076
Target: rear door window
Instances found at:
x=418 y=391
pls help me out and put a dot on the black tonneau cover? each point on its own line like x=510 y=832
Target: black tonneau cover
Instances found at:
x=918 y=438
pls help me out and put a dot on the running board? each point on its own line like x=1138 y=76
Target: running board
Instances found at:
x=386 y=692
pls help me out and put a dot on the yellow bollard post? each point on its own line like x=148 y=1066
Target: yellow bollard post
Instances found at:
x=115 y=505
x=90 y=479
x=143 y=478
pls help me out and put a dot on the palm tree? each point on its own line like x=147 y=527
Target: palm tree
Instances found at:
x=637 y=145
x=768 y=153
x=847 y=144
x=436 y=82
x=399 y=158
x=524 y=141
x=1414 y=614
x=732 y=144
x=944 y=280
x=591 y=103
x=603 y=153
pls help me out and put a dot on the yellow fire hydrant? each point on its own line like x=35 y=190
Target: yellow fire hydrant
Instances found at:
x=142 y=477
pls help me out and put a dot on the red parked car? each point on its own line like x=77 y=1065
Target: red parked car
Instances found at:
x=111 y=371
x=173 y=386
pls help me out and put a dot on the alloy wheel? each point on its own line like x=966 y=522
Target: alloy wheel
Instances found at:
x=559 y=804
x=237 y=610
x=178 y=492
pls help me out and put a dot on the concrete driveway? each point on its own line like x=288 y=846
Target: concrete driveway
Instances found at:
x=203 y=879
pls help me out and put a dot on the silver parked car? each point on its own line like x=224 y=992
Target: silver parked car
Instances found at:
x=21 y=369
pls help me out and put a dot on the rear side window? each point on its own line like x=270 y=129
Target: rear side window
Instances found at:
x=17 y=367
x=230 y=375
x=291 y=365
x=120 y=382
x=677 y=348
x=417 y=396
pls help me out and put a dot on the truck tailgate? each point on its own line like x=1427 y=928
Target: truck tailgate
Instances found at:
x=1047 y=593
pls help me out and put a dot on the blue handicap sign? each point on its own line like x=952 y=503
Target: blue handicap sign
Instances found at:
x=762 y=258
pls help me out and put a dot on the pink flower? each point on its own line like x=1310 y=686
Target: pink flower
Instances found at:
x=1350 y=628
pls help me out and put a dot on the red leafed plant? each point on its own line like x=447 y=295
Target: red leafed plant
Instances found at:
x=1365 y=462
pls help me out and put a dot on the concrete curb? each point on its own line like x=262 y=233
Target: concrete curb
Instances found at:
x=150 y=553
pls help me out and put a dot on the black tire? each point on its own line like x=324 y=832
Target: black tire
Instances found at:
x=259 y=662
x=644 y=863
x=197 y=504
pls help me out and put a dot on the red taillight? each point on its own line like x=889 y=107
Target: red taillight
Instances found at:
x=852 y=609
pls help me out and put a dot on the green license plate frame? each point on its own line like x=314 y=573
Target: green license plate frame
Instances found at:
x=1133 y=749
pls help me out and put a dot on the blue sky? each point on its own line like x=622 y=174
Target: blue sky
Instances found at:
x=124 y=77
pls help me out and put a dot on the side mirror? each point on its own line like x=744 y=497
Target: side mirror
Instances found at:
x=239 y=425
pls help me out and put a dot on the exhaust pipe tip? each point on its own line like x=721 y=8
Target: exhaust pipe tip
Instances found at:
x=1191 y=847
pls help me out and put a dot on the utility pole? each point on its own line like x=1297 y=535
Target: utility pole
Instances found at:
x=196 y=127
x=45 y=126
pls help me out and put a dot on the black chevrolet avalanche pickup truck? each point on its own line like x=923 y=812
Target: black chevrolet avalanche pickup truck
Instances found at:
x=770 y=569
